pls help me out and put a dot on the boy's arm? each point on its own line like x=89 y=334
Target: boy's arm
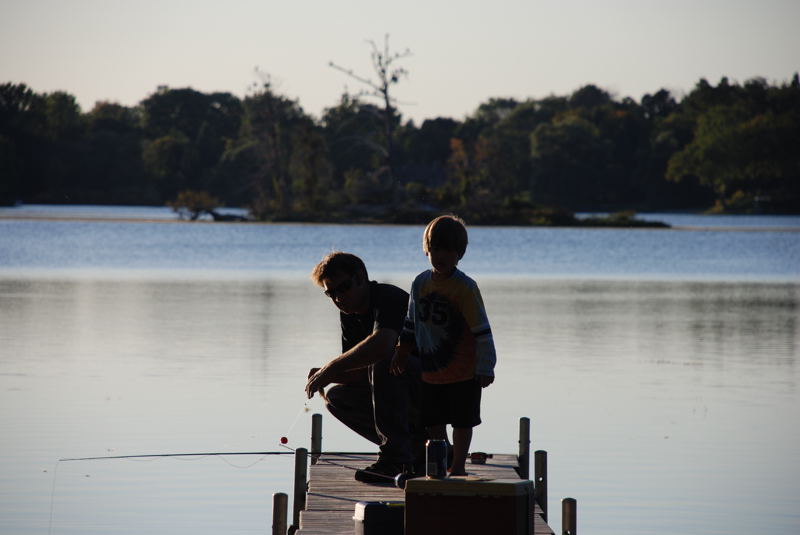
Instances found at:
x=484 y=380
x=478 y=322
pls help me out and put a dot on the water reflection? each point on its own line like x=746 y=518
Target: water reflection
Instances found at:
x=682 y=322
x=635 y=388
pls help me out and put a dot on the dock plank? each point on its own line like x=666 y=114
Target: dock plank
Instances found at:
x=333 y=492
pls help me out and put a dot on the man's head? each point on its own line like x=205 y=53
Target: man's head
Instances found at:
x=344 y=279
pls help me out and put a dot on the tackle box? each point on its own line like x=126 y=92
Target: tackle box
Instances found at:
x=378 y=518
x=469 y=506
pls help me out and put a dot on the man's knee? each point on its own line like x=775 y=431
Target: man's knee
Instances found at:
x=348 y=398
x=334 y=397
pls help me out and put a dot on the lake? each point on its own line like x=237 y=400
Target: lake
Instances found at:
x=659 y=367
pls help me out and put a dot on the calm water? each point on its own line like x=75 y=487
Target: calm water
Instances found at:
x=659 y=368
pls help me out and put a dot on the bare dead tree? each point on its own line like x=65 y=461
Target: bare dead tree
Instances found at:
x=388 y=74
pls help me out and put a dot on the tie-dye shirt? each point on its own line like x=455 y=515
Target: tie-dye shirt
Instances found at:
x=447 y=322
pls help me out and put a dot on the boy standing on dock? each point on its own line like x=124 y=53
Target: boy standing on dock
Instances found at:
x=447 y=325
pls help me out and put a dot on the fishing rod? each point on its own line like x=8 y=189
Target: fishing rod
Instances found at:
x=215 y=453
x=153 y=455
x=398 y=480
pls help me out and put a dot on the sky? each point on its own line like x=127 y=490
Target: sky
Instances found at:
x=462 y=53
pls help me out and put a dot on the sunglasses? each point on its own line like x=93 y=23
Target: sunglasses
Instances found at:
x=342 y=287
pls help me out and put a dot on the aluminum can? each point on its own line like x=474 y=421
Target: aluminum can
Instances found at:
x=436 y=459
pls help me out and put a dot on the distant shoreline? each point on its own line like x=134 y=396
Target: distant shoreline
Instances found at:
x=10 y=216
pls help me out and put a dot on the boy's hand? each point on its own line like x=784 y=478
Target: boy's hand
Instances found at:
x=484 y=380
x=398 y=364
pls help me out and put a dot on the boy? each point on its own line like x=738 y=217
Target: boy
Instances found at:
x=447 y=325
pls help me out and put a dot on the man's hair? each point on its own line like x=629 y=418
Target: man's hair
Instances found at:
x=446 y=232
x=338 y=262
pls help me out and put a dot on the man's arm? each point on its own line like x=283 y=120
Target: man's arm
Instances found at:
x=378 y=345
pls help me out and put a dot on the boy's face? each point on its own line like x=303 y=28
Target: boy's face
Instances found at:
x=443 y=261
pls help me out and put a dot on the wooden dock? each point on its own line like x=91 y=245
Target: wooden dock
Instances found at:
x=333 y=492
x=325 y=498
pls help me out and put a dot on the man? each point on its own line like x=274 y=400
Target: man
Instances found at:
x=365 y=397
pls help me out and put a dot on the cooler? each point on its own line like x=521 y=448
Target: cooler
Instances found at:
x=378 y=518
x=469 y=506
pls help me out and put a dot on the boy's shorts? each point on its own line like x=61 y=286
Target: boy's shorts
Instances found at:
x=457 y=404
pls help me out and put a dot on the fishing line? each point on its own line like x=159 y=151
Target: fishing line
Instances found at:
x=242 y=467
x=397 y=480
x=303 y=409
x=191 y=459
x=52 y=497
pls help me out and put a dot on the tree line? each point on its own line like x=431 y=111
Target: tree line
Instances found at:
x=727 y=147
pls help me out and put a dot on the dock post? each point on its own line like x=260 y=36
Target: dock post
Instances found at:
x=279 y=508
x=524 y=457
x=316 y=437
x=569 y=516
x=540 y=485
x=300 y=486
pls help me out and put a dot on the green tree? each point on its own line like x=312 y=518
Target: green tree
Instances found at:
x=113 y=171
x=744 y=146
x=354 y=134
x=422 y=159
x=311 y=171
x=63 y=150
x=168 y=162
x=186 y=134
x=570 y=159
x=23 y=136
x=21 y=126
x=667 y=131
x=273 y=128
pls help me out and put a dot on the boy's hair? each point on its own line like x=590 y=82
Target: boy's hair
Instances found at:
x=338 y=262
x=446 y=232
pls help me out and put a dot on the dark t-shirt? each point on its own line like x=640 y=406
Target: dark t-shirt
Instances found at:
x=387 y=309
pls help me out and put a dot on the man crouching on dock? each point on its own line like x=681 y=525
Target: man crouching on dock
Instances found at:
x=365 y=397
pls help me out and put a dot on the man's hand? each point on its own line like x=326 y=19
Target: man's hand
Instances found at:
x=484 y=380
x=317 y=381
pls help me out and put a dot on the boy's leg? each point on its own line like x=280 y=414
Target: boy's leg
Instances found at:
x=466 y=410
x=462 y=436
x=434 y=401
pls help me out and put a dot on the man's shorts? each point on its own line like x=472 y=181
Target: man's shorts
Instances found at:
x=457 y=404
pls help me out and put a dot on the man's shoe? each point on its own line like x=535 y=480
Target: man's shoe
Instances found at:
x=379 y=472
